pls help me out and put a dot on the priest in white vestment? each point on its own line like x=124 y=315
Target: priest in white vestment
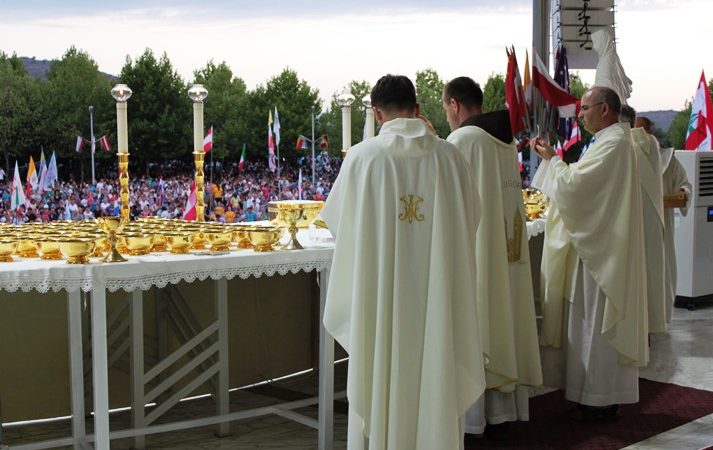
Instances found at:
x=503 y=262
x=675 y=182
x=400 y=301
x=593 y=263
x=650 y=177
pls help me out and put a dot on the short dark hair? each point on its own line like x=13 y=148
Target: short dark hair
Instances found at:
x=394 y=93
x=608 y=96
x=627 y=114
x=465 y=91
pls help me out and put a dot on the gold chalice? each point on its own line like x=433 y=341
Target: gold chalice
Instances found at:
x=311 y=211
x=138 y=244
x=77 y=250
x=289 y=213
x=7 y=249
x=26 y=248
x=535 y=203
x=49 y=249
x=219 y=240
x=263 y=239
x=111 y=226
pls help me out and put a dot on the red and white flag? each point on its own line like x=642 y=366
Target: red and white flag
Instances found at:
x=190 y=212
x=208 y=140
x=553 y=93
x=271 y=161
x=80 y=144
x=700 y=126
x=574 y=137
x=515 y=94
x=104 y=141
x=558 y=149
x=243 y=159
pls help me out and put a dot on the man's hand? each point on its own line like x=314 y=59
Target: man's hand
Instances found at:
x=542 y=148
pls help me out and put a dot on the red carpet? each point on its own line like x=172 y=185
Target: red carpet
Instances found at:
x=661 y=407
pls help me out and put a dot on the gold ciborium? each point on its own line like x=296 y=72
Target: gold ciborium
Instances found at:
x=7 y=249
x=49 y=249
x=311 y=211
x=179 y=243
x=535 y=203
x=219 y=239
x=77 y=251
x=112 y=225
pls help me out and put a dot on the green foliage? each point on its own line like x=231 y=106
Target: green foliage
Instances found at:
x=494 y=93
x=576 y=86
x=429 y=93
x=18 y=113
x=159 y=111
x=330 y=123
x=73 y=84
x=224 y=108
x=294 y=99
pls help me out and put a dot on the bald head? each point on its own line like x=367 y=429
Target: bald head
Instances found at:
x=645 y=123
x=600 y=108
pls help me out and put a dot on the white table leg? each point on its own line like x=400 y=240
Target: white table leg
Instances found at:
x=221 y=315
x=138 y=417
x=99 y=369
x=76 y=366
x=325 y=437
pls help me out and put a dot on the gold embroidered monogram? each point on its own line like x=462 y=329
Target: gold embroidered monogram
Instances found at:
x=514 y=245
x=411 y=204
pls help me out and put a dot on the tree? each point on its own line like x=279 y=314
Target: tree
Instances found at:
x=18 y=114
x=576 y=86
x=679 y=126
x=294 y=99
x=224 y=108
x=494 y=93
x=160 y=117
x=73 y=84
x=429 y=94
x=330 y=123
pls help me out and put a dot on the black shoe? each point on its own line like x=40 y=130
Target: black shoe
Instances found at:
x=584 y=413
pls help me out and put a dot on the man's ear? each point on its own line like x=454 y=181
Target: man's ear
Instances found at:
x=417 y=111
x=379 y=116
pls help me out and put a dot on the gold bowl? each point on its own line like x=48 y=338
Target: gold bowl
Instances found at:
x=26 y=249
x=49 y=249
x=178 y=243
x=277 y=211
x=7 y=249
x=77 y=251
x=263 y=239
x=240 y=235
x=219 y=240
x=138 y=244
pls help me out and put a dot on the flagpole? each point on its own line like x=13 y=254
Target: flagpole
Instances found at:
x=312 y=146
x=91 y=133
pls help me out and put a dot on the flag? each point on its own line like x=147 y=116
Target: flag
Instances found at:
x=558 y=149
x=17 y=195
x=700 y=127
x=519 y=161
x=50 y=176
x=241 y=164
x=564 y=126
x=515 y=95
x=299 y=184
x=80 y=144
x=551 y=91
x=43 y=168
x=527 y=83
x=190 y=212
x=32 y=180
x=208 y=141
x=276 y=128
x=270 y=145
x=574 y=137
x=301 y=142
x=104 y=141
x=323 y=142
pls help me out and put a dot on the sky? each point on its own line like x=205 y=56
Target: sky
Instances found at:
x=661 y=43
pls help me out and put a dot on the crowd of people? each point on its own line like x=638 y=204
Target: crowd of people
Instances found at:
x=234 y=195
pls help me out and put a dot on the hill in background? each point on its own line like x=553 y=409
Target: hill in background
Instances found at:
x=38 y=68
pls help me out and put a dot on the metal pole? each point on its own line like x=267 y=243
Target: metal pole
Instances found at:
x=313 y=146
x=91 y=131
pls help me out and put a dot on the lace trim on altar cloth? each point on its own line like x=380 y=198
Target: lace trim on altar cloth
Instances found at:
x=162 y=280
x=535 y=227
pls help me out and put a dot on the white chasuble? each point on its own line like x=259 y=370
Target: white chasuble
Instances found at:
x=401 y=296
x=649 y=159
x=503 y=276
x=596 y=216
x=674 y=180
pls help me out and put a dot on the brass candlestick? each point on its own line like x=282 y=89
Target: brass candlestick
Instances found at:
x=198 y=158
x=124 y=186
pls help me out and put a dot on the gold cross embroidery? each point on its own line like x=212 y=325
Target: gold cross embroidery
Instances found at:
x=411 y=205
x=514 y=245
